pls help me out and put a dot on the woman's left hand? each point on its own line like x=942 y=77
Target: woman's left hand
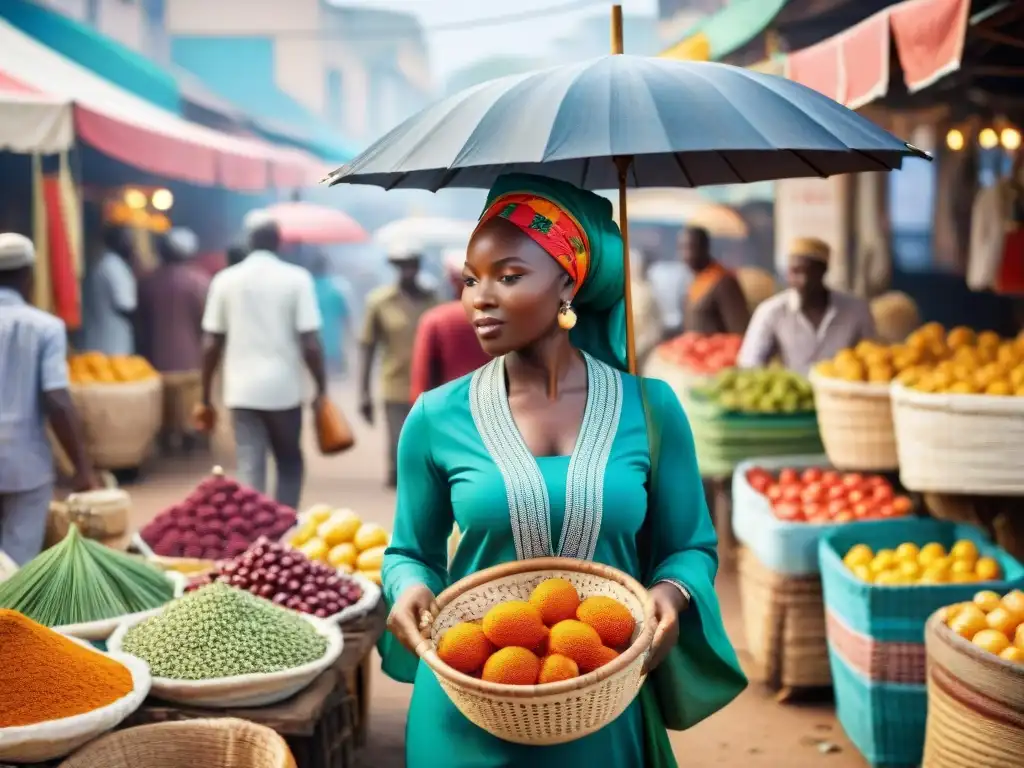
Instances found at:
x=667 y=602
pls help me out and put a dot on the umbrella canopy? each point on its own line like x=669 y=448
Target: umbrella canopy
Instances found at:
x=425 y=232
x=311 y=224
x=685 y=207
x=683 y=124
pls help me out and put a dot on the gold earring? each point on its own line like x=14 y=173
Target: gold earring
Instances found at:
x=566 y=316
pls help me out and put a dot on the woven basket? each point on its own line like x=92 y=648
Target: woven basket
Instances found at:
x=856 y=426
x=784 y=621
x=553 y=713
x=975 y=704
x=963 y=444
x=120 y=420
x=220 y=743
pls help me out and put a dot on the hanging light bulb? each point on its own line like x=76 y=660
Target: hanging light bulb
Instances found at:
x=162 y=200
x=1010 y=139
x=988 y=138
x=135 y=199
x=955 y=140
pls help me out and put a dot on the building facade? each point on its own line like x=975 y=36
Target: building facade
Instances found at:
x=136 y=24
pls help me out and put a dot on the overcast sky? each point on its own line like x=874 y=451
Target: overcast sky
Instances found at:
x=453 y=49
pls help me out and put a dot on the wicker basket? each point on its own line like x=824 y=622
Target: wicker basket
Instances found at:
x=784 y=621
x=220 y=743
x=975 y=704
x=553 y=713
x=963 y=444
x=856 y=426
x=120 y=420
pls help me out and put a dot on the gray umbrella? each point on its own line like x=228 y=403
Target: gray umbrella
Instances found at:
x=680 y=124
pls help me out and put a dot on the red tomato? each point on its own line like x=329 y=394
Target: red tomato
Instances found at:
x=885 y=510
x=819 y=520
x=813 y=492
x=838 y=507
x=788 y=511
x=812 y=475
x=882 y=492
x=901 y=505
x=774 y=492
x=788 y=477
x=853 y=479
x=791 y=492
x=837 y=492
x=874 y=481
x=759 y=480
x=856 y=496
x=862 y=511
x=843 y=517
x=831 y=477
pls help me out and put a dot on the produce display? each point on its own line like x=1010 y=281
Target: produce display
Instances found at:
x=286 y=577
x=45 y=676
x=218 y=520
x=553 y=636
x=932 y=360
x=909 y=564
x=97 y=368
x=80 y=580
x=825 y=496
x=340 y=538
x=991 y=622
x=702 y=353
x=764 y=390
x=219 y=631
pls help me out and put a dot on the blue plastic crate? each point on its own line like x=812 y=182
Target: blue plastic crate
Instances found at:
x=885 y=721
x=899 y=613
x=783 y=547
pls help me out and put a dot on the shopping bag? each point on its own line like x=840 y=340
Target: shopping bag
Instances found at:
x=333 y=432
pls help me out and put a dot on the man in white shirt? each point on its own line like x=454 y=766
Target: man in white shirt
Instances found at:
x=111 y=297
x=670 y=282
x=262 y=320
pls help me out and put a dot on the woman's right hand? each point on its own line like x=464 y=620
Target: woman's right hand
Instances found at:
x=410 y=616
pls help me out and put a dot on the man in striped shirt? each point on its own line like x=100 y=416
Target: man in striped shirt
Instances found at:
x=33 y=387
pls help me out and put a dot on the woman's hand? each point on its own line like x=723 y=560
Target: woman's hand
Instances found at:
x=411 y=615
x=667 y=602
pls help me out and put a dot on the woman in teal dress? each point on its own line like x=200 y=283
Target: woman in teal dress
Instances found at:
x=546 y=451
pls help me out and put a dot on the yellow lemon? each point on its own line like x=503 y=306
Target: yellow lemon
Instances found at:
x=319 y=512
x=962 y=566
x=370 y=535
x=987 y=569
x=862 y=572
x=343 y=554
x=930 y=553
x=907 y=551
x=963 y=578
x=910 y=570
x=859 y=554
x=314 y=549
x=935 y=575
x=883 y=561
x=987 y=600
x=305 y=532
x=888 y=579
x=965 y=549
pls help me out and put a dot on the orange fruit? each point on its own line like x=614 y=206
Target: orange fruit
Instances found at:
x=556 y=599
x=512 y=666
x=1013 y=653
x=987 y=600
x=612 y=620
x=991 y=640
x=603 y=656
x=1003 y=620
x=579 y=641
x=1014 y=601
x=1018 y=638
x=557 y=667
x=968 y=622
x=987 y=569
x=464 y=647
x=515 y=622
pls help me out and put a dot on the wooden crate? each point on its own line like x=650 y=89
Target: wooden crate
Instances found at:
x=784 y=621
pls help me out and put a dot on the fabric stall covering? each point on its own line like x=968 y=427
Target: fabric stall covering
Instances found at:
x=853 y=66
x=142 y=135
x=719 y=34
x=31 y=121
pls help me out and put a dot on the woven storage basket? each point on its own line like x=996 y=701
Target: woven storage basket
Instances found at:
x=553 y=713
x=219 y=743
x=784 y=621
x=120 y=420
x=856 y=426
x=960 y=444
x=975 y=704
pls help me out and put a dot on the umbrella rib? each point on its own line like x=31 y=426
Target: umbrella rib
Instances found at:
x=873 y=159
x=732 y=167
x=682 y=168
x=800 y=156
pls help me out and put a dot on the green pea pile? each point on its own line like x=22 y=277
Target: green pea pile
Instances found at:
x=220 y=631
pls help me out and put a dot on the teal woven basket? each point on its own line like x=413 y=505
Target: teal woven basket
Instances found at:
x=899 y=613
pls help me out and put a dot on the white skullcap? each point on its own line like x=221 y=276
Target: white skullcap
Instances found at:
x=454 y=260
x=256 y=219
x=183 y=241
x=16 y=252
x=402 y=253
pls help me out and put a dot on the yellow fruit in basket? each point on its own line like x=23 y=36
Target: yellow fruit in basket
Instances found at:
x=303 y=534
x=988 y=339
x=1004 y=620
x=992 y=641
x=319 y=513
x=514 y=622
x=827 y=369
x=964 y=550
x=1014 y=601
x=314 y=549
x=880 y=374
x=962 y=388
x=930 y=553
x=910 y=570
x=373 y=576
x=370 y=559
x=612 y=620
x=556 y=667
x=464 y=647
x=889 y=579
x=859 y=554
x=370 y=535
x=343 y=554
x=952 y=611
x=884 y=560
x=960 y=337
x=963 y=578
x=512 y=666
x=907 y=551
x=968 y=622
x=987 y=569
x=556 y=599
x=579 y=641
x=987 y=600
x=862 y=572
x=1013 y=653
x=961 y=567
x=337 y=530
x=1017 y=377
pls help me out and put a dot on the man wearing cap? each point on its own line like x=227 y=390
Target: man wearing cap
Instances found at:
x=809 y=322
x=33 y=388
x=392 y=314
x=170 y=327
x=446 y=345
x=262 y=319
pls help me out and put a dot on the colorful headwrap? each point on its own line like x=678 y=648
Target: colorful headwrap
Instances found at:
x=576 y=228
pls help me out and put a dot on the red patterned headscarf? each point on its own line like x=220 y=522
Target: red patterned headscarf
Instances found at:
x=550 y=226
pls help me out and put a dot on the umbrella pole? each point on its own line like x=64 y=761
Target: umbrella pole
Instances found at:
x=622 y=163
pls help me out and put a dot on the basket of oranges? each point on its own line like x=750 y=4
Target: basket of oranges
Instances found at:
x=541 y=651
x=976 y=682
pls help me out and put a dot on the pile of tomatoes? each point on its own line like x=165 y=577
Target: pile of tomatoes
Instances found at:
x=824 y=496
x=703 y=354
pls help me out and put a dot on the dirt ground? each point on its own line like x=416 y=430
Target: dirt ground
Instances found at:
x=753 y=731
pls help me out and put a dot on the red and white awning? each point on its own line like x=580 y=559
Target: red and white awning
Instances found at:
x=853 y=66
x=130 y=129
x=32 y=122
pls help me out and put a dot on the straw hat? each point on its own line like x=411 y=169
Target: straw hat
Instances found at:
x=896 y=316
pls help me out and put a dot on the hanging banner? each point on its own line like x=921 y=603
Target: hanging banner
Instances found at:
x=815 y=208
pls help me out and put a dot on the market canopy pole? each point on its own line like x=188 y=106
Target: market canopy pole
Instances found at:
x=622 y=162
